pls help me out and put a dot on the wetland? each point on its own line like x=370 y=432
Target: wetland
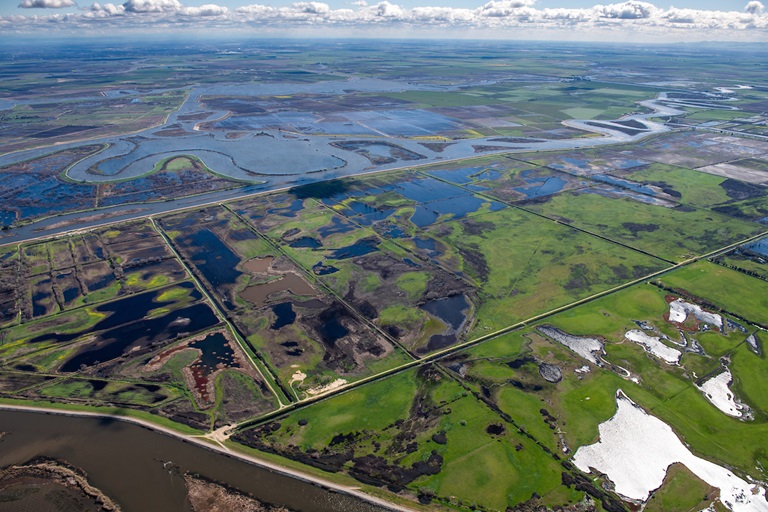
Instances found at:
x=440 y=277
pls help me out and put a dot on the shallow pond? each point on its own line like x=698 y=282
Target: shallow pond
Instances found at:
x=427 y=189
x=212 y=257
x=306 y=242
x=461 y=206
x=622 y=183
x=118 y=341
x=540 y=186
x=760 y=247
x=459 y=176
x=285 y=315
x=259 y=294
x=129 y=309
x=258 y=265
x=392 y=231
x=453 y=312
x=424 y=216
x=337 y=226
x=331 y=330
x=320 y=269
x=359 y=248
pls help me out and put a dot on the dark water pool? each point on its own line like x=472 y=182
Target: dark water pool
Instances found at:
x=451 y=310
x=459 y=176
x=306 y=242
x=760 y=247
x=285 y=315
x=212 y=257
x=359 y=248
x=121 y=312
x=336 y=227
x=116 y=342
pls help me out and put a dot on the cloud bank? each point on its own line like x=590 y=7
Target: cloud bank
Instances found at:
x=632 y=19
x=46 y=4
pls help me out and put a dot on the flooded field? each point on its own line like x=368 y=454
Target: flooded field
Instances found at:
x=751 y=258
x=291 y=283
x=276 y=266
x=289 y=321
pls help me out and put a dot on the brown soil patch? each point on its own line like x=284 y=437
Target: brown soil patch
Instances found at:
x=49 y=485
x=206 y=496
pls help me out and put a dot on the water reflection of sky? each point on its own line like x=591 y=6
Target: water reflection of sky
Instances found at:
x=399 y=123
x=760 y=247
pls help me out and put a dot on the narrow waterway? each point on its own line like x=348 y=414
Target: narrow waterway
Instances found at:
x=142 y=469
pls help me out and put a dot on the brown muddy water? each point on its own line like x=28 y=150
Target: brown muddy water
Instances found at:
x=294 y=283
x=258 y=265
x=143 y=470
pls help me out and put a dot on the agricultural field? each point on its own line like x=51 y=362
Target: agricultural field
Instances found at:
x=443 y=278
x=310 y=339
x=425 y=434
x=45 y=124
x=751 y=258
x=379 y=279
x=557 y=380
x=110 y=317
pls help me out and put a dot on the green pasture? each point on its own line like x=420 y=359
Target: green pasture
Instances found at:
x=674 y=234
x=493 y=471
x=725 y=288
x=696 y=189
x=682 y=490
x=524 y=265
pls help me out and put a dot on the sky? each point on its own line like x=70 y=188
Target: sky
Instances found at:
x=629 y=20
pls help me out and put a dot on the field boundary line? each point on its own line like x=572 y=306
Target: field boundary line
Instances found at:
x=221 y=315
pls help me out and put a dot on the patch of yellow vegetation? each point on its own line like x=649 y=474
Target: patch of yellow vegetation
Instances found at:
x=431 y=137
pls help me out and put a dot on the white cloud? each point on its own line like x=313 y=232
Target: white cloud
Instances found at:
x=388 y=10
x=681 y=15
x=629 y=20
x=152 y=6
x=501 y=8
x=46 y=4
x=754 y=7
x=205 y=10
x=260 y=10
x=312 y=7
x=107 y=9
x=627 y=11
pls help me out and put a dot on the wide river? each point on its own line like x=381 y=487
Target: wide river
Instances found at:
x=142 y=469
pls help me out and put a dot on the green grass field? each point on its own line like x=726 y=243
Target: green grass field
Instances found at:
x=674 y=234
x=411 y=419
x=725 y=288
x=525 y=265
x=580 y=401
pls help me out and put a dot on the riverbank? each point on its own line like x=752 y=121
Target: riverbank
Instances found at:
x=273 y=467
